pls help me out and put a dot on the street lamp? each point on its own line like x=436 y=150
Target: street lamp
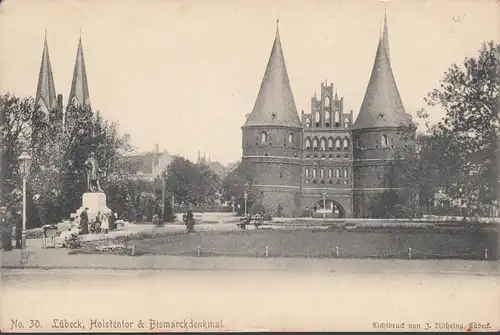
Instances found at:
x=163 y=182
x=24 y=166
x=232 y=201
x=245 y=196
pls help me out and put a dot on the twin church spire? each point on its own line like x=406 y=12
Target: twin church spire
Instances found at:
x=46 y=96
x=45 y=90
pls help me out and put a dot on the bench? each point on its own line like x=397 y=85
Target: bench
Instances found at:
x=244 y=222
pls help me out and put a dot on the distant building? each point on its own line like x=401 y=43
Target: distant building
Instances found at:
x=149 y=165
x=325 y=162
x=215 y=166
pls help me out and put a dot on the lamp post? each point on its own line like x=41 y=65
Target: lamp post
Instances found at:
x=245 y=196
x=25 y=163
x=232 y=201
x=163 y=182
x=324 y=205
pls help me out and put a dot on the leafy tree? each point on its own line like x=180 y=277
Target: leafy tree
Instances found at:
x=236 y=183
x=470 y=128
x=17 y=116
x=57 y=177
x=191 y=183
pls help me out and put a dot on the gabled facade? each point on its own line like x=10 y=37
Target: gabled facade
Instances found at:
x=327 y=155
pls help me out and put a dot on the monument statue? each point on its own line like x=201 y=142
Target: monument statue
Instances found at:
x=93 y=174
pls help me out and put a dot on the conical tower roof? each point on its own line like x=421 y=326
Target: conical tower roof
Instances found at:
x=382 y=105
x=79 y=93
x=275 y=105
x=45 y=90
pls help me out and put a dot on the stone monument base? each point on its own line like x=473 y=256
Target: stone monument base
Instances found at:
x=95 y=202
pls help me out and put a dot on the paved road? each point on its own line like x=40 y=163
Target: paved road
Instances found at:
x=259 y=300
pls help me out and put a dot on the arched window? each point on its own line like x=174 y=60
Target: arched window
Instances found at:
x=307 y=173
x=346 y=144
x=323 y=144
x=327 y=101
x=327 y=119
x=322 y=173
x=290 y=138
x=330 y=143
x=338 y=144
x=314 y=173
x=315 y=143
x=346 y=173
x=308 y=143
x=263 y=137
x=385 y=142
x=308 y=122
x=337 y=173
x=346 y=122
x=337 y=119
x=330 y=173
x=317 y=117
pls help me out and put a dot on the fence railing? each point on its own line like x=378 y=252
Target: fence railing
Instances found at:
x=335 y=253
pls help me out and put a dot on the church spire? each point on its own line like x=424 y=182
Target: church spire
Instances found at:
x=385 y=37
x=382 y=105
x=45 y=90
x=275 y=104
x=79 y=93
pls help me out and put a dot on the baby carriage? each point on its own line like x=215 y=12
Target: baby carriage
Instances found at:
x=49 y=236
x=95 y=227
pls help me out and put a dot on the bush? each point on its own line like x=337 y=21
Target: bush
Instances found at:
x=402 y=212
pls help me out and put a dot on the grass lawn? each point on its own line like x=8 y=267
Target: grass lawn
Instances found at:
x=361 y=243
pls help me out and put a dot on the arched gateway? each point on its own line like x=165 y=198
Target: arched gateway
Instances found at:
x=327 y=208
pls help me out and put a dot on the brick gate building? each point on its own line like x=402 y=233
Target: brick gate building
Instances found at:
x=324 y=163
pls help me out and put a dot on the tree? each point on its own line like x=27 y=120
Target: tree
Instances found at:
x=236 y=183
x=19 y=120
x=470 y=128
x=190 y=183
x=57 y=177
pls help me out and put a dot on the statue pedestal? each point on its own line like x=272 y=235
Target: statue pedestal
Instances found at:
x=95 y=202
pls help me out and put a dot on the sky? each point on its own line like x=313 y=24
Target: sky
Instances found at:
x=183 y=74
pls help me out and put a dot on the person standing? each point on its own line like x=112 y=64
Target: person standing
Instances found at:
x=19 y=229
x=112 y=221
x=105 y=223
x=84 y=221
x=6 y=224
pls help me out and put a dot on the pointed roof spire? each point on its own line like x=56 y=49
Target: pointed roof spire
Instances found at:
x=45 y=90
x=385 y=37
x=382 y=105
x=79 y=93
x=275 y=104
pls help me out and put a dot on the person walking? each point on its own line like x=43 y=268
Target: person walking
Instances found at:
x=84 y=221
